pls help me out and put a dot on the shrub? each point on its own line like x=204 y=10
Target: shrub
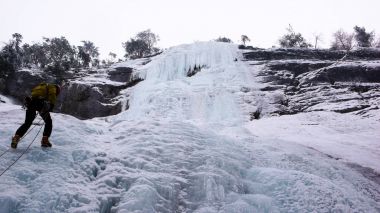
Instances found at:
x=223 y=39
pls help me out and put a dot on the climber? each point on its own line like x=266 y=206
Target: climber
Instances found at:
x=42 y=100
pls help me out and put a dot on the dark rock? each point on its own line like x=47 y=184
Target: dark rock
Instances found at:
x=121 y=74
x=361 y=88
x=133 y=82
x=271 y=88
x=279 y=79
x=20 y=83
x=93 y=100
x=352 y=109
x=245 y=89
x=256 y=114
x=243 y=47
x=317 y=54
x=2 y=85
x=291 y=89
x=350 y=72
x=314 y=80
x=78 y=99
x=281 y=54
x=192 y=71
x=298 y=67
x=88 y=101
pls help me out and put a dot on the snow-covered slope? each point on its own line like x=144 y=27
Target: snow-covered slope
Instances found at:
x=186 y=144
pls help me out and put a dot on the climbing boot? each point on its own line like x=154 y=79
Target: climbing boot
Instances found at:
x=45 y=142
x=15 y=140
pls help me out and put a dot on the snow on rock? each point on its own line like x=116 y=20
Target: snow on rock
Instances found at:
x=313 y=54
x=7 y=104
x=131 y=63
x=359 y=71
x=186 y=144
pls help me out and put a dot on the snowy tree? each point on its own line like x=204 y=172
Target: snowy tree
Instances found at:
x=245 y=39
x=11 y=55
x=60 y=54
x=5 y=66
x=363 y=38
x=293 y=40
x=342 y=40
x=34 y=55
x=83 y=56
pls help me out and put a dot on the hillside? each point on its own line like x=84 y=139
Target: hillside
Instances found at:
x=178 y=133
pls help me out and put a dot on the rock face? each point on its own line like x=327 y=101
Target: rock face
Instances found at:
x=89 y=100
x=298 y=79
x=20 y=83
x=81 y=96
x=315 y=80
x=121 y=74
x=317 y=54
x=346 y=72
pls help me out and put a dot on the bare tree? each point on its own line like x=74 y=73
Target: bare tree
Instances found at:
x=377 y=43
x=342 y=40
x=317 y=38
x=245 y=39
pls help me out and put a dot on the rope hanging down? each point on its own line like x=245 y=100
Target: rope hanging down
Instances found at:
x=27 y=148
x=38 y=123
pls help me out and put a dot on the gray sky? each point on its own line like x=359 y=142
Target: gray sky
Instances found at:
x=108 y=23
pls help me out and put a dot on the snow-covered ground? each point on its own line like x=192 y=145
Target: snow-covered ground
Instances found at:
x=186 y=144
x=349 y=138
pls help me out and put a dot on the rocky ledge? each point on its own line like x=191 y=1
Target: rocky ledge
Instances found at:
x=302 y=80
x=85 y=94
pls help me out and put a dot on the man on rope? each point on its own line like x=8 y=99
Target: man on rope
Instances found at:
x=43 y=99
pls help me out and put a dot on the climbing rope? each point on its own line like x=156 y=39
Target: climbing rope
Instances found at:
x=38 y=123
x=27 y=148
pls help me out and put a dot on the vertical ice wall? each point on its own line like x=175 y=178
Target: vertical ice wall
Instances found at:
x=168 y=92
x=176 y=61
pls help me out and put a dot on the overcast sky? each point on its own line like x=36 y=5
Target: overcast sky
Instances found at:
x=108 y=23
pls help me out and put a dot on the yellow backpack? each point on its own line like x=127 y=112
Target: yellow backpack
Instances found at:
x=45 y=91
